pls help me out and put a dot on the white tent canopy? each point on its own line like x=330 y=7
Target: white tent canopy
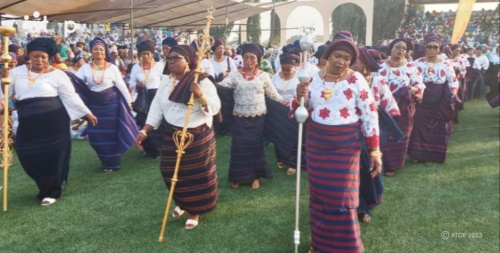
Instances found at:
x=173 y=14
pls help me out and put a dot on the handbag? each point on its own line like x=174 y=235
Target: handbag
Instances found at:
x=141 y=104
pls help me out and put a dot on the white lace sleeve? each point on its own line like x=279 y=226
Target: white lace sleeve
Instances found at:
x=270 y=90
x=213 y=101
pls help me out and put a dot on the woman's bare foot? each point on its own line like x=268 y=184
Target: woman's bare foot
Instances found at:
x=255 y=184
x=235 y=185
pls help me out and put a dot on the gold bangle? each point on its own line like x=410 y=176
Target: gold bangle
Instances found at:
x=144 y=132
x=376 y=153
x=203 y=100
x=297 y=100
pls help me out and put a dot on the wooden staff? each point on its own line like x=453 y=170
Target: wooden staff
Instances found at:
x=182 y=138
x=6 y=155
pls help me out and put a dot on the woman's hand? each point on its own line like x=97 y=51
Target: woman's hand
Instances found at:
x=375 y=166
x=92 y=119
x=301 y=90
x=196 y=90
x=140 y=85
x=139 y=139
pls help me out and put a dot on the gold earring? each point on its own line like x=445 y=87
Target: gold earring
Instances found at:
x=365 y=72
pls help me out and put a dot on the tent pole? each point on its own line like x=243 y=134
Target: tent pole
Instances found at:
x=131 y=51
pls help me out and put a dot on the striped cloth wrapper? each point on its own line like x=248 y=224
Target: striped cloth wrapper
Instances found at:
x=196 y=188
x=395 y=148
x=433 y=127
x=333 y=155
x=248 y=160
x=116 y=130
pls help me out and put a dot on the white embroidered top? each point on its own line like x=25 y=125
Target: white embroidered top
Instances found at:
x=442 y=72
x=207 y=67
x=403 y=76
x=461 y=63
x=483 y=60
x=175 y=113
x=52 y=84
x=154 y=76
x=286 y=89
x=112 y=77
x=351 y=101
x=220 y=67
x=383 y=96
x=249 y=95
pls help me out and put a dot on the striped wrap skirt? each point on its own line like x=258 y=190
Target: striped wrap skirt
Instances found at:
x=333 y=158
x=196 y=188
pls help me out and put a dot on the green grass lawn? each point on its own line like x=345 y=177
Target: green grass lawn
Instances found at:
x=122 y=211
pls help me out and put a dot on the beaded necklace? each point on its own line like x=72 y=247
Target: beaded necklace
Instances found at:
x=146 y=76
x=32 y=81
x=95 y=68
x=250 y=78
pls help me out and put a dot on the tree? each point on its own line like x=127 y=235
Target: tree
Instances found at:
x=275 y=36
x=388 y=15
x=350 y=17
x=253 y=26
x=220 y=31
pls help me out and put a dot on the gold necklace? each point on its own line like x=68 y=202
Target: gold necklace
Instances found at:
x=146 y=76
x=172 y=84
x=32 y=81
x=327 y=93
x=396 y=64
x=95 y=67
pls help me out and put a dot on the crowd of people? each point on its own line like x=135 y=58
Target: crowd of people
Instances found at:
x=370 y=109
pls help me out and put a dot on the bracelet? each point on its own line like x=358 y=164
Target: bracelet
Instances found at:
x=297 y=100
x=144 y=132
x=203 y=99
x=376 y=153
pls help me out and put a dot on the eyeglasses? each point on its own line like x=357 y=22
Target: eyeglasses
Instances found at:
x=174 y=59
x=402 y=48
x=432 y=47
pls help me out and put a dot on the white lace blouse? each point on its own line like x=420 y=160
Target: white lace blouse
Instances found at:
x=52 y=84
x=175 y=113
x=249 y=95
x=112 y=77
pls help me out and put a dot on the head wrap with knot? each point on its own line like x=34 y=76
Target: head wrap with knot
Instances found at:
x=169 y=41
x=433 y=38
x=78 y=56
x=146 y=45
x=13 y=55
x=46 y=45
x=253 y=49
x=289 y=59
x=217 y=43
x=375 y=54
x=319 y=53
x=342 y=41
x=13 y=48
x=99 y=41
x=455 y=46
x=181 y=92
x=365 y=57
x=188 y=53
x=408 y=43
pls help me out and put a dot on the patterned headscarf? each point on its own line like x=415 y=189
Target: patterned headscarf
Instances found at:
x=434 y=38
x=289 y=59
x=217 y=43
x=342 y=41
x=365 y=57
x=99 y=41
x=408 y=42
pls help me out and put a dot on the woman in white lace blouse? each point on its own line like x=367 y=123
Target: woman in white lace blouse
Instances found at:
x=248 y=161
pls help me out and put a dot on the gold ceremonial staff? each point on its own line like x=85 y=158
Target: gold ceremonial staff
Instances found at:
x=182 y=138
x=6 y=155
